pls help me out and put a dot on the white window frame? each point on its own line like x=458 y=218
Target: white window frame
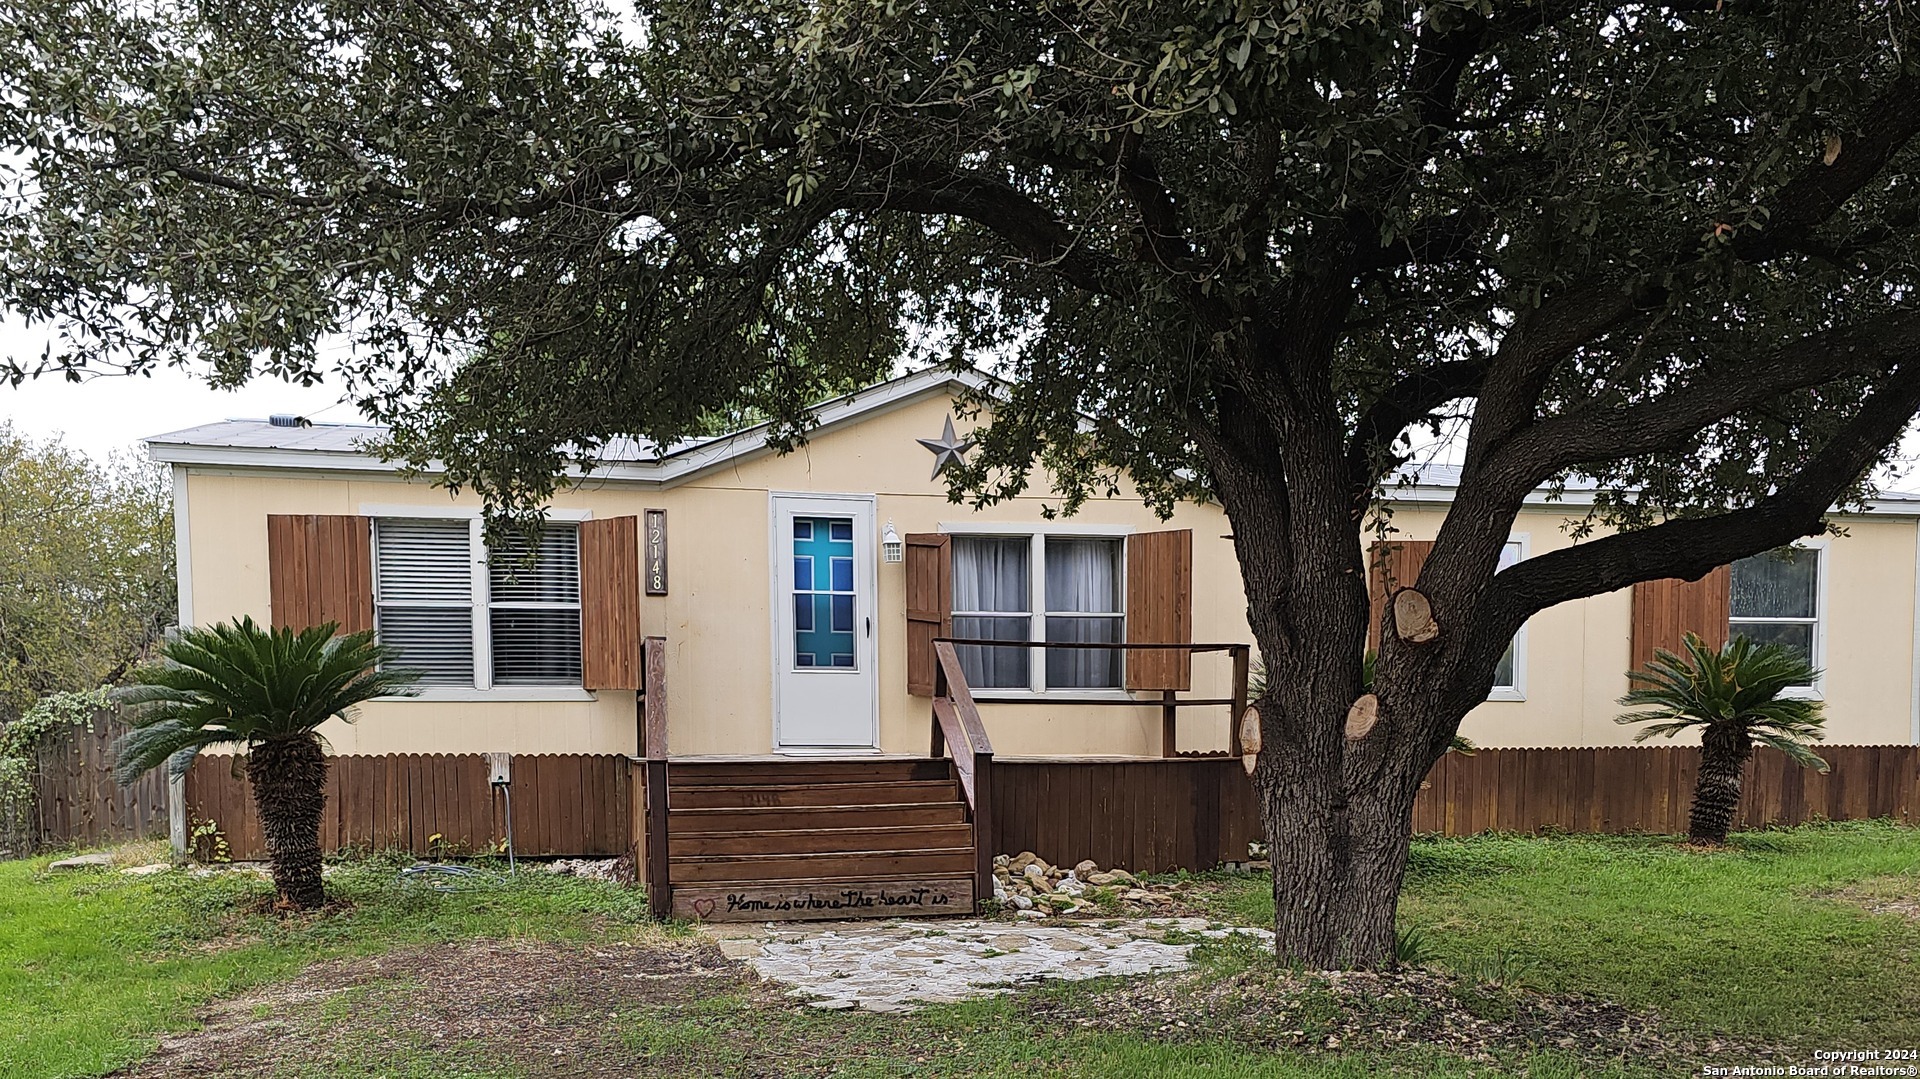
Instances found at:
x=481 y=595
x=1518 y=690
x=1036 y=612
x=1817 y=546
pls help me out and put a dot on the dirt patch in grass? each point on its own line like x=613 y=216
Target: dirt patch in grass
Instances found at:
x=679 y=1008
x=1276 y=1008
x=1897 y=896
x=512 y=1007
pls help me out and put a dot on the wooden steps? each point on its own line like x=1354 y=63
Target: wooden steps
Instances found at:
x=776 y=818
x=825 y=867
x=747 y=773
x=818 y=840
x=784 y=840
x=759 y=795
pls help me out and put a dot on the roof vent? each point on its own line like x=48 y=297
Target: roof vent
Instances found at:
x=288 y=419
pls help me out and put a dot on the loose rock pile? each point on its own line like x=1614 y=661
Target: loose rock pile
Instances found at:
x=590 y=868
x=1034 y=888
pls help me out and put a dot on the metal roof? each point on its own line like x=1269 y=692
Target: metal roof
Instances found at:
x=260 y=443
x=353 y=447
x=355 y=438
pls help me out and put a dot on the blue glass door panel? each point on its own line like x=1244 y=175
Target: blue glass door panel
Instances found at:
x=825 y=606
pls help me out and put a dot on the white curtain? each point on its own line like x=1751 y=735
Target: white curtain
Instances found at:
x=1083 y=575
x=991 y=577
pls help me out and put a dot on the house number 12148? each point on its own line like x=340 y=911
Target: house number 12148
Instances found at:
x=656 y=552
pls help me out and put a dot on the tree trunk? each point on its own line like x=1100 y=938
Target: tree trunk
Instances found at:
x=1336 y=879
x=1724 y=750
x=289 y=778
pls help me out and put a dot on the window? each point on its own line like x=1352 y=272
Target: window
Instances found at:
x=1776 y=599
x=1509 y=677
x=478 y=622
x=1075 y=585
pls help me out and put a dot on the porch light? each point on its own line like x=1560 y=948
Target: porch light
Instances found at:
x=891 y=549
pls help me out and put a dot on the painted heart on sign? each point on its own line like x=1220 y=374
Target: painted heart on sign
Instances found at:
x=702 y=908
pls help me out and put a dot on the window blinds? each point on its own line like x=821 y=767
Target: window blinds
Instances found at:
x=534 y=613
x=423 y=597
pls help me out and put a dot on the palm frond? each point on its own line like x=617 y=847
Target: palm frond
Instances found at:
x=1796 y=751
x=1744 y=686
x=146 y=747
x=241 y=683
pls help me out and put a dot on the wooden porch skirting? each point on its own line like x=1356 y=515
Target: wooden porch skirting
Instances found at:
x=1188 y=813
x=1142 y=814
x=564 y=805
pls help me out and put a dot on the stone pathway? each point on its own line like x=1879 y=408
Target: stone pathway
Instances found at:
x=895 y=966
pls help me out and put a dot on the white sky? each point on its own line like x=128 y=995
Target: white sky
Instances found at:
x=113 y=413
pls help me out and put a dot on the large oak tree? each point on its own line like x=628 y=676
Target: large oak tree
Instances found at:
x=1261 y=243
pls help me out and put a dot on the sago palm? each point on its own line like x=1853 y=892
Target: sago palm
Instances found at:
x=265 y=691
x=1735 y=697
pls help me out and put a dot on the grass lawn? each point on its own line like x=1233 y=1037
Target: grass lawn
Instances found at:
x=1777 y=938
x=1774 y=942
x=93 y=964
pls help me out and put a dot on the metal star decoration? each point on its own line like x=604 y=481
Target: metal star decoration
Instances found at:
x=947 y=450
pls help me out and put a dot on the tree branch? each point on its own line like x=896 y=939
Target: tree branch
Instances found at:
x=1691 y=547
x=1397 y=407
x=1034 y=231
x=1166 y=241
x=207 y=178
x=1810 y=198
x=1540 y=340
x=1595 y=434
x=1581 y=315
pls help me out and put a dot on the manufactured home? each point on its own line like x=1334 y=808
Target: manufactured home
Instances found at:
x=794 y=614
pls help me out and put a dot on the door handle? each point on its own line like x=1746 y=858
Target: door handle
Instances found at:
x=869 y=625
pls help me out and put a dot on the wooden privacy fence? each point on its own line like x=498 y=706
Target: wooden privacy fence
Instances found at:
x=1650 y=789
x=1155 y=815
x=1143 y=814
x=76 y=801
x=564 y=805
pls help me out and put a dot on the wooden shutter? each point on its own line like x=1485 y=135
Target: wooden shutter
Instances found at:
x=610 y=640
x=319 y=570
x=1160 y=608
x=1392 y=565
x=929 y=605
x=1664 y=610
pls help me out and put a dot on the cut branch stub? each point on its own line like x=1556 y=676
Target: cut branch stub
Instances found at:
x=1250 y=737
x=1362 y=716
x=1413 y=616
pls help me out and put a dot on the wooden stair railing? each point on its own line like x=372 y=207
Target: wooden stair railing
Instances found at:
x=1169 y=701
x=653 y=751
x=957 y=725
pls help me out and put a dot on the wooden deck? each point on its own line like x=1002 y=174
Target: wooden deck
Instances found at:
x=785 y=837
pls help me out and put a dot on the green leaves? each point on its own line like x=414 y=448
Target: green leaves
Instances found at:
x=241 y=684
x=1744 y=688
x=519 y=230
x=86 y=569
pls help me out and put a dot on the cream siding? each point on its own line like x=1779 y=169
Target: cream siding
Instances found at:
x=717 y=618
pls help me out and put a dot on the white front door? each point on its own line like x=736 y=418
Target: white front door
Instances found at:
x=824 y=678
